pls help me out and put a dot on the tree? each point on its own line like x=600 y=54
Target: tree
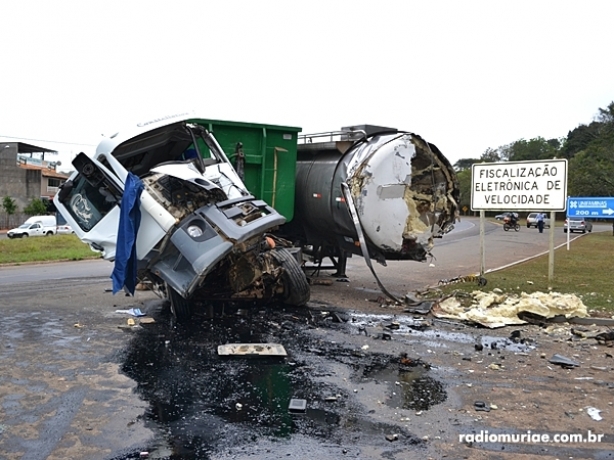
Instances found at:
x=465 y=163
x=606 y=116
x=579 y=138
x=591 y=168
x=591 y=173
x=464 y=184
x=533 y=149
x=490 y=156
x=9 y=207
x=49 y=206
x=35 y=207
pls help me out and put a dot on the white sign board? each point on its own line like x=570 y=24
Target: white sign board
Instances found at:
x=519 y=185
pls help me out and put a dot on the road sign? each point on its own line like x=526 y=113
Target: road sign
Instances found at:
x=591 y=207
x=519 y=185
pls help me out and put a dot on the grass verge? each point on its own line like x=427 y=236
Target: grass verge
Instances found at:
x=44 y=249
x=584 y=270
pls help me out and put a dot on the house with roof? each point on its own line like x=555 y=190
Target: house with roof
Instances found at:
x=25 y=174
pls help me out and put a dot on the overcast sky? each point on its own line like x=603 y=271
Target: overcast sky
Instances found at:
x=465 y=75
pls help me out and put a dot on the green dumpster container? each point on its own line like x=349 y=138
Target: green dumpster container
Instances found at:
x=269 y=153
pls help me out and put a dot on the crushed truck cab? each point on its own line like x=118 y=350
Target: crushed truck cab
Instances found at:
x=198 y=232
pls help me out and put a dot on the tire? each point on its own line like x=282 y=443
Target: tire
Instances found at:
x=517 y=227
x=48 y=233
x=564 y=230
x=296 y=287
x=24 y=235
x=180 y=307
x=528 y=225
x=506 y=227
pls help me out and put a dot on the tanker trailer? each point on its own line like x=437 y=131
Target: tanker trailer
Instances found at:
x=377 y=192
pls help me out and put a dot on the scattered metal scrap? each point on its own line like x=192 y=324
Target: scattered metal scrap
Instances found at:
x=481 y=406
x=298 y=406
x=605 y=338
x=563 y=361
x=251 y=349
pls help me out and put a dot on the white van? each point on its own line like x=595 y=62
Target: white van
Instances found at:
x=34 y=226
x=532 y=220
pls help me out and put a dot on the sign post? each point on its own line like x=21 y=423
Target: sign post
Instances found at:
x=521 y=186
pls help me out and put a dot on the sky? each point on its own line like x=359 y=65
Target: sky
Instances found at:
x=465 y=75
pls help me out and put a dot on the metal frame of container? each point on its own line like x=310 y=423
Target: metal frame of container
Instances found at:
x=269 y=159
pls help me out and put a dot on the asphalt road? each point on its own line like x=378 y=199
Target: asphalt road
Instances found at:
x=456 y=254
x=75 y=382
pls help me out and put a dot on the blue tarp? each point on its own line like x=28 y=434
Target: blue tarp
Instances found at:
x=124 y=272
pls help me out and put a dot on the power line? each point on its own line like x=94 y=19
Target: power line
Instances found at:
x=43 y=140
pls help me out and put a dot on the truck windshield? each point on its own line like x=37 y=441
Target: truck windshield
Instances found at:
x=86 y=204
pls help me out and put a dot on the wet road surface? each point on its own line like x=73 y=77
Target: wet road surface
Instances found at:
x=76 y=382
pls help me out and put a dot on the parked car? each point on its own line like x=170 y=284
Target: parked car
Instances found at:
x=532 y=220
x=577 y=224
x=502 y=216
x=34 y=226
x=64 y=229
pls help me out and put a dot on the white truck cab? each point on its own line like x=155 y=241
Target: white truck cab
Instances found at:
x=199 y=232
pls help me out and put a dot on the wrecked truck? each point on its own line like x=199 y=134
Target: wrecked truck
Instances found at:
x=374 y=191
x=163 y=201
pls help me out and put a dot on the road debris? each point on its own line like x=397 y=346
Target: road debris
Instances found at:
x=605 y=338
x=563 y=361
x=481 y=406
x=251 y=349
x=493 y=310
x=132 y=311
x=297 y=406
x=594 y=413
x=420 y=308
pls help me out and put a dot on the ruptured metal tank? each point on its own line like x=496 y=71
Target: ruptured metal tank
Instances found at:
x=403 y=189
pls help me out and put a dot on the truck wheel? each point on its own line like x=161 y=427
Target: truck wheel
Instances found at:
x=48 y=233
x=296 y=287
x=180 y=307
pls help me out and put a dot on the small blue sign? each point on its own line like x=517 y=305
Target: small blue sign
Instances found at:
x=591 y=207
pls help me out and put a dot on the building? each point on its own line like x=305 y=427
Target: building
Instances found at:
x=24 y=176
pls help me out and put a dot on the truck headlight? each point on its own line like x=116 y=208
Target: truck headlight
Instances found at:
x=195 y=231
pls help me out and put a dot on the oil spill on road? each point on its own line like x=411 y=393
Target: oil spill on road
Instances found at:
x=203 y=404
x=435 y=337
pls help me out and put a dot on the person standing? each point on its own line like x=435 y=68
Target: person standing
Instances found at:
x=540 y=222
